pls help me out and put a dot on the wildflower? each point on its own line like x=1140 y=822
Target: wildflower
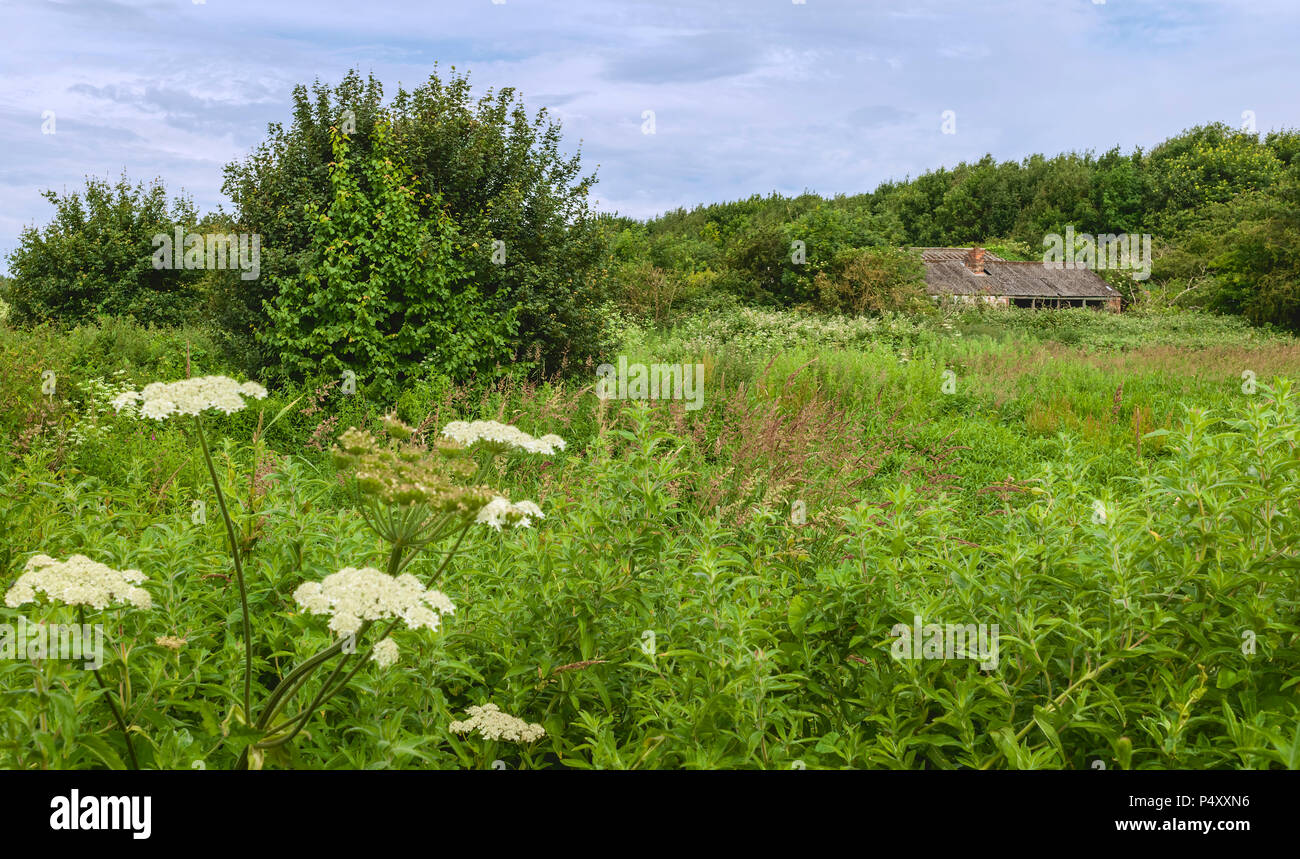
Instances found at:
x=404 y=474
x=128 y=400
x=385 y=653
x=78 y=581
x=492 y=724
x=161 y=400
x=501 y=437
x=352 y=596
x=252 y=389
x=500 y=510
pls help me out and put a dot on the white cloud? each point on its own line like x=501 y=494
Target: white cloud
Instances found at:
x=833 y=95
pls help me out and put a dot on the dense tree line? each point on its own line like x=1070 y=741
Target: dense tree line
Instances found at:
x=435 y=231
x=1219 y=203
x=430 y=229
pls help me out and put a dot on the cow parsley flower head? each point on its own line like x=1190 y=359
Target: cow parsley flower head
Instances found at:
x=353 y=596
x=385 y=653
x=501 y=437
x=403 y=474
x=78 y=581
x=492 y=724
x=128 y=400
x=161 y=400
x=500 y=511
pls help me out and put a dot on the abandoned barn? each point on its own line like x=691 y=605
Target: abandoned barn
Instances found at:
x=974 y=274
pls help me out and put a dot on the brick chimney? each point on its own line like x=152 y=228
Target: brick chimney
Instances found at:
x=975 y=260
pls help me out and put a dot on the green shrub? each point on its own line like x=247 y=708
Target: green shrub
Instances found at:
x=381 y=291
x=96 y=257
x=873 y=280
x=520 y=206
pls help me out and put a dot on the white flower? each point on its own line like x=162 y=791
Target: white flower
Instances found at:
x=311 y=598
x=502 y=436
x=254 y=390
x=161 y=400
x=553 y=440
x=499 y=511
x=157 y=409
x=353 y=596
x=492 y=724
x=344 y=624
x=493 y=513
x=441 y=602
x=385 y=653
x=527 y=511
x=78 y=581
x=129 y=400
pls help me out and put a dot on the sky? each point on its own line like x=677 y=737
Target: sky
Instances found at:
x=744 y=96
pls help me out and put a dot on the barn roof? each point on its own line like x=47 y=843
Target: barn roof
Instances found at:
x=952 y=255
x=1013 y=279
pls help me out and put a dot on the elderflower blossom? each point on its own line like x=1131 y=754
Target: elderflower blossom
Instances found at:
x=499 y=511
x=78 y=581
x=492 y=724
x=161 y=400
x=501 y=437
x=352 y=596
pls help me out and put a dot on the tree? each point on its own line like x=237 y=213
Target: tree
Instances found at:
x=381 y=290
x=521 y=208
x=1258 y=270
x=873 y=280
x=96 y=257
x=1207 y=164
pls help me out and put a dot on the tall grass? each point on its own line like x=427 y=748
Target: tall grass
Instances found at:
x=1123 y=511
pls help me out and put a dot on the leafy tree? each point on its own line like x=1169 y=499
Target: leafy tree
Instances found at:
x=495 y=169
x=1118 y=187
x=1061 y=195
x=982 y=202
x=96 y=257
x=381 y=289
x=760 y=265
x=1258 y=271
x=1285 y=144
x=1208 y=164
x=873 y=280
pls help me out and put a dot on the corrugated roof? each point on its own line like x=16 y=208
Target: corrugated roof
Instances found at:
x=951 y=254
x=1015 y=279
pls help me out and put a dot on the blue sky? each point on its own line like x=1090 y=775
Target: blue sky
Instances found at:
x=748 y=95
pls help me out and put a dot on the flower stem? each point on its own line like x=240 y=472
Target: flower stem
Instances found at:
x=295 y=679
x=112 y=705
x=239 y=572
x=327 y=691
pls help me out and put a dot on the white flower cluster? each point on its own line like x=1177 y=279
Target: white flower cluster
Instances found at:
x=385 y=653
x=161 y=400
x=99 y=396
x=492 y=724
x=500 y=511
x=78 y=581
x=502 y=436
x=352 y=596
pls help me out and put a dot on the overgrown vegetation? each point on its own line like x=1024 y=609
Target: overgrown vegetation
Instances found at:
x=1220 y=205
x=669 y=611
x=1107 y=501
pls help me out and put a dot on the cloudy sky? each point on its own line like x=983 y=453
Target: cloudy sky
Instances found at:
x=747 y=95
